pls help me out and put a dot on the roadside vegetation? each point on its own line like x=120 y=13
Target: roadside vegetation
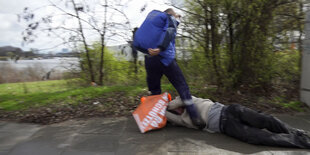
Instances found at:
x=245 y=52
x=74 y=97
x=54 y=101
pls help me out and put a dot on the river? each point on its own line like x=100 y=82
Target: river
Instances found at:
x=57 y=64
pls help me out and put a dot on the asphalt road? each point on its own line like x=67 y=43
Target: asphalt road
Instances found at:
x=121 y=136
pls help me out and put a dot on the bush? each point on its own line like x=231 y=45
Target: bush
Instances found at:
x=286 y=69
x=116 y=71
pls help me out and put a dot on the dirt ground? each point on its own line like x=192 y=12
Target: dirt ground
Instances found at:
x=119 y=104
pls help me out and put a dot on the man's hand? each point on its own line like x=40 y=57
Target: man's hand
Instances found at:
x=154 y=52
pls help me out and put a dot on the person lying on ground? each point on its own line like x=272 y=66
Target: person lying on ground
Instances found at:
x=239 y=122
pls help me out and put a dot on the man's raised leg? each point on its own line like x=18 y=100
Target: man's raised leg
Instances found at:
x=176 y=77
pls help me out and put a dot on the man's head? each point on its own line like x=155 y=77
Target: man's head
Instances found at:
x=170 y=11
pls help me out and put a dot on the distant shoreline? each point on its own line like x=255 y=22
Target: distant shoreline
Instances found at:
x=54 y=63
x=35 y=58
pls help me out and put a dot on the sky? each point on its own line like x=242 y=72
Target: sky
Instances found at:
x=11 y=29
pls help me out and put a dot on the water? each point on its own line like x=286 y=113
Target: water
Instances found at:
x=55 y=64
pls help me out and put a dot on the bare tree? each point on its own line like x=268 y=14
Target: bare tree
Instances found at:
x=91 y=21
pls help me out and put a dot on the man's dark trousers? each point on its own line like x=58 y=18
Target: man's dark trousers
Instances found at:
x=155 y=70
x=258 y=128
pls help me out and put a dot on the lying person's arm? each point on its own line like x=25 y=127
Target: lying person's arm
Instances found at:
x=181 y=119
x=174 y=119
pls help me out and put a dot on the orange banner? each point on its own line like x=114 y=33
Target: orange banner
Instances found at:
x=150 y=114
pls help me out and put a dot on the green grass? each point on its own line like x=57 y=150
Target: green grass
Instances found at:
x=296 y=105
x=33 y=87
x=22 y=96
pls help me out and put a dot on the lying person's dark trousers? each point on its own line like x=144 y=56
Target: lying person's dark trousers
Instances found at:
x=258 y=128
x=155 y=70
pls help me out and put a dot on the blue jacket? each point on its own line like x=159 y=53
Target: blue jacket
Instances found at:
x=157 y=31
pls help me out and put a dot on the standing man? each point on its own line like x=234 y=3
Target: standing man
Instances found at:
x=156 y=38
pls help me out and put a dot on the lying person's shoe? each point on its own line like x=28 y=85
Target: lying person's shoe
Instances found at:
x=304 y=140
x=300 y=132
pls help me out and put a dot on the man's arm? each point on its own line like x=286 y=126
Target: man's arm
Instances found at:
x=180 y=120
x=141 y=49
x=154 y=52
x=169 y=35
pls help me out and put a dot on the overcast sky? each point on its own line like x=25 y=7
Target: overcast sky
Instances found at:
x=11 y=29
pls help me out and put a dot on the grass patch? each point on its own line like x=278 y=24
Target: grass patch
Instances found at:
x=296 y=105
x=22 y=96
